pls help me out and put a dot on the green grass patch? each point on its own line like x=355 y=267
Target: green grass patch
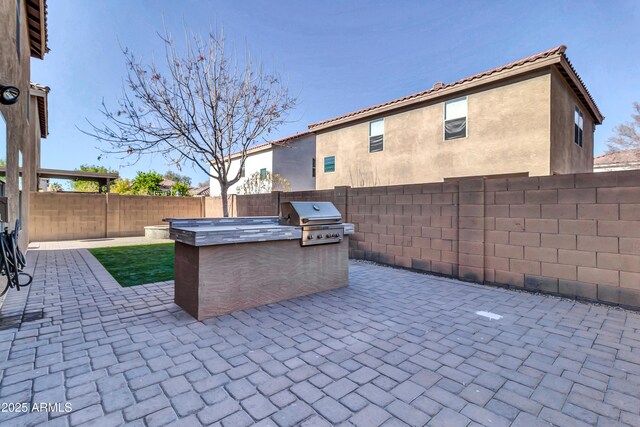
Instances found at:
x=138 y=264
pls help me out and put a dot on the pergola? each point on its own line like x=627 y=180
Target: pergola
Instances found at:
x=103 y=179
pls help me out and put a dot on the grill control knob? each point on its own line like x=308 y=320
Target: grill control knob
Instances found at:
x=319 y=236
x=309 y=236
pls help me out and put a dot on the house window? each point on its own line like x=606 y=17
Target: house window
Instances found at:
x=243 y=171
x=578 y=123
x=376 y=135
x=313 y=167
x=330 y=164
x=263 y=173
x=455 y=118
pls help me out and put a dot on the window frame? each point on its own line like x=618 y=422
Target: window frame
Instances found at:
x=313 y=167
x=263 y=175
x=325 y=164
x=370 y=136
x=578 y=137
x=243 y=171
x=466 y=118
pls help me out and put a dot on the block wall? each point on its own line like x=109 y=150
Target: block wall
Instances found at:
x=67 y=216
x=413 y=226
x=574 y=235
x=570 y=235
x=71 y=216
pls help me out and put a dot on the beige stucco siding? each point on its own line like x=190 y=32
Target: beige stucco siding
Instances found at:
x=15 y=71
x=566 y=155
x=508 y=132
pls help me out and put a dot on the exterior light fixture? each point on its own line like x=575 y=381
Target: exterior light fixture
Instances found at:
x=9 y=94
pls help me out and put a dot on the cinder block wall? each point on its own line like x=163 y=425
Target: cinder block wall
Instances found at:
x=257 y=204
x=213 y=206
x=133 y=213
x=413 y=226
x=571 y=235
x=574 y=235
x=70 y=216
x=67 y=216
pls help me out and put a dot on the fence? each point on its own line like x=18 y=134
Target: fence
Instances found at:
x=571 y=235
x=68 y=216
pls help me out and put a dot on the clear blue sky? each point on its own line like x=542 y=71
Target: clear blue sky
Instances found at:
x=337 y=56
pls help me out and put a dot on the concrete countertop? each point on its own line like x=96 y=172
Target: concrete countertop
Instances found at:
x=224 y=231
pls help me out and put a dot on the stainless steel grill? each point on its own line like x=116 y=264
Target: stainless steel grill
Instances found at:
x=321 y=222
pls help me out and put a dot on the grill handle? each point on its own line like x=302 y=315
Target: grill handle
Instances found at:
x=317 y=218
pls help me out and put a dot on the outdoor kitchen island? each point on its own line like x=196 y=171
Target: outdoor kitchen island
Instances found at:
x=228 y=264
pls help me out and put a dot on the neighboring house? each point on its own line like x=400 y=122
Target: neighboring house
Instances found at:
x=617 y=161
x=200 y=191
x=39 y=106
x=166 y=185
x=23 y=35
x=530 y=117
x=293 y=158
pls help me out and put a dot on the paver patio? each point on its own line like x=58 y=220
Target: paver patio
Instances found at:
x=395 y=348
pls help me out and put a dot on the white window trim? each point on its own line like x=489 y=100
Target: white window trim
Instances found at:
x=444 y=119
x=581 y=115
x=369 y=140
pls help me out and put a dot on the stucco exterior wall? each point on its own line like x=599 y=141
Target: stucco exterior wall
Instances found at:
x=508 y=132
x=253 y=164
x=29 y=163
x=15 y=71
x=566 y=155
x=293 y=162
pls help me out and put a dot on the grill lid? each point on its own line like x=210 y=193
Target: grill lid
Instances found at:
x=309 y=213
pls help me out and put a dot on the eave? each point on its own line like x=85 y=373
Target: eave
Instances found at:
x=37 y=27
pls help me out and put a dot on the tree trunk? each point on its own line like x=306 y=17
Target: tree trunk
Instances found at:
x=225 y=201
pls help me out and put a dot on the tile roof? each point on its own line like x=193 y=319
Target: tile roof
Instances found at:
x=200 y=191
x=622 y=156
x=280 y=142
x=167 y=183
x=442 y=88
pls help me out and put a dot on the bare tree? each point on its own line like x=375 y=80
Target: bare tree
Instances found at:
x=200 y=108
x=627 y=135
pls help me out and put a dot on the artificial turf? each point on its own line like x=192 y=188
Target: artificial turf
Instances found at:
x=138 y=264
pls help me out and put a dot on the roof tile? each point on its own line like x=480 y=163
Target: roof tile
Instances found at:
x=556 y=51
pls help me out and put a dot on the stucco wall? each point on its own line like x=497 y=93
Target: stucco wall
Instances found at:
x=15 y=71
x=29 y=165
x=293 y=162
x=566 y=155
x=508 y=132
x=253 y=164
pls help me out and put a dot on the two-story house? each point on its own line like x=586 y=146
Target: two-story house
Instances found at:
x=23 y=118
x=530 y=117
x=292 y=158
